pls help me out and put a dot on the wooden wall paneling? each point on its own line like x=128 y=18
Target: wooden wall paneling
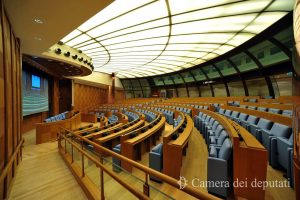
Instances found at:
x=8 y=94
x=19 y=90
x=86 y=97
x=2 y=112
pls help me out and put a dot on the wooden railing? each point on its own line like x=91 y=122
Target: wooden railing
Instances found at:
x=16 y=157
x=296 y=151
x=93 y=192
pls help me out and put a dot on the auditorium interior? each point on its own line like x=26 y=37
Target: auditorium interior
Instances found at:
x=150 y=99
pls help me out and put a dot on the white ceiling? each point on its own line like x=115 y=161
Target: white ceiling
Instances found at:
x=145 y=38
x=59 y=18
x=138 y=38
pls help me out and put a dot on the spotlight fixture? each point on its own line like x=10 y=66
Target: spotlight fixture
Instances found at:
x=74 y=57
x=79 y=51
x=67 y=54
x=58 y=51
x=60 y=43
x=85 y=61
x=80 y=59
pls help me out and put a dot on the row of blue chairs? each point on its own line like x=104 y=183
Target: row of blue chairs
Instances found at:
x=55 y=118
x=167 y=113
x=112 y=119
x=276 y=138
x=150 y=116
x=219 y=163
x=185 y=110
x=131 y=116
x=177 y=121
x=288 y=113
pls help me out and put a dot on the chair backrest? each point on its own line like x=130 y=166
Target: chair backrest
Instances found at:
x=243 y=106
x=215 y=125
x=158 y=149
x=219 y=129
x=228 y=112
x=252 y=119
x=243 y=116
x=252 y=107
x=221 y=111
x=225 y=150
x=235 y=114
x=222 y=137
x=287 y=113
x=211 y=121
x=274 y=110
x=262 y=109
x=264 y=124
x=280 y=130
x=253 y=100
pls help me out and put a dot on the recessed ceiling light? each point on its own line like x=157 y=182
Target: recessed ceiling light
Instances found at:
x=38 y=38
x=38 y=21
x=35 y=57
x=50 y=60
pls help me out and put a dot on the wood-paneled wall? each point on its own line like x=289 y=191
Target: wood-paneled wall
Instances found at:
x=86 y=97
x=10 y=100
x=29 y=122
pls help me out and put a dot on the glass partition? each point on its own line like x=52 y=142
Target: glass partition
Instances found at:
x=243 y=62
x=225 y=68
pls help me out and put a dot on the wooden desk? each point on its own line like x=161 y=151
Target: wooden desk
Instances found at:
x=173 y=150
x=133 y=148
x=113 y=138
x=47 y=131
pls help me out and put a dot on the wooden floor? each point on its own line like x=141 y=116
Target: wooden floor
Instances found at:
x=43 y=174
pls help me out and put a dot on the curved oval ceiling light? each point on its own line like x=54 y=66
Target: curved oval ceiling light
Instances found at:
x=124 y=38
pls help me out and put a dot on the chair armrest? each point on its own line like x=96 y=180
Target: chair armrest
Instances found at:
x=216 y=169
x=273 y=152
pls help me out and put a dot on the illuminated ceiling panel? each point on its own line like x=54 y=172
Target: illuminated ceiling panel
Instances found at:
x=145 y=38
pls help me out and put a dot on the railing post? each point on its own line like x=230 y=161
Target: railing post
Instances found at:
x=82 y=160
x=146 y=188
x=65 y=146
x=102 y=180
x=72 y=153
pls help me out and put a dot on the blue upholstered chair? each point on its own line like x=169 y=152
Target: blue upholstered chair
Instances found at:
x=211 y=129
x=243 y=106
x=215 y=133
x=262 y=109
x=262 y=124
x=288 y=113
x=242 y=117
x=250 y=120
x=228 y=113
x=234 y=115
x=277 y=130
x=274 y=110
x=156 y=160
x=218 y=140
x=221 y=111
x=280 y=154
x=219 y=167
x=252 y=107
x=208 y=126
x=116 y=162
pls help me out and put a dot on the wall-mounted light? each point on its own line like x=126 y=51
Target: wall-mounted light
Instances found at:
x=58 y=51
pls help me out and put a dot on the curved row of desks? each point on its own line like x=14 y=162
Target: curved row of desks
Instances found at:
x=250 y=158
